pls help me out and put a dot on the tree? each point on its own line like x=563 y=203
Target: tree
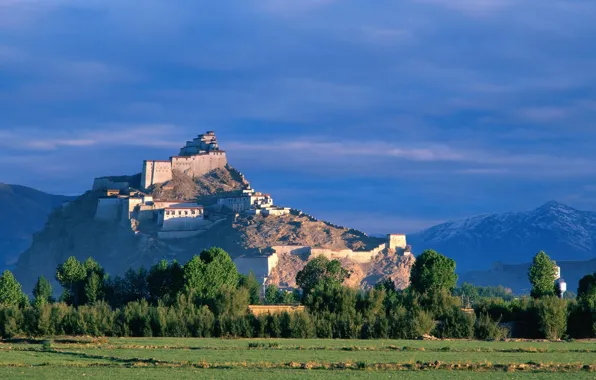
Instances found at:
x=165 y=280
x=272 y=295
x=542 y=275
x=11 y=293
x=321 y=272
x=251 y=283
x=42 y=291
x=433 y=272
x=69 y=274
x=586 y=290
x=94 y=282
x=211 y=272
x=82 y=282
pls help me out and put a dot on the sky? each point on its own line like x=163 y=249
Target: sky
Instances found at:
x=388 y=116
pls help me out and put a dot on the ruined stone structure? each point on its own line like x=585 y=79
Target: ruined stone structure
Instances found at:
x=196 y=158
x=261 y=266
x=395 y=242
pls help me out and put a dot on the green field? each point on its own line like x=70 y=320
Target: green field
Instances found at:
x=157 y=358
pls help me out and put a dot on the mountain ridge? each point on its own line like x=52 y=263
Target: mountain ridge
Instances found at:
x=24 y=211
x=564 y=232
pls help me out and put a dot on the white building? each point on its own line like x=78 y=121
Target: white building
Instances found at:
x=248 y=200
x=182 y=217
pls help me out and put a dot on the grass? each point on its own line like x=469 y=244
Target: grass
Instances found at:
x=149 y=358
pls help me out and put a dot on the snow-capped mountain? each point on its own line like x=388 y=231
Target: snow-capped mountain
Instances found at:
x=515 y=237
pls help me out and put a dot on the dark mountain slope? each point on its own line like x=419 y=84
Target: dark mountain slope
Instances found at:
x=23 y=211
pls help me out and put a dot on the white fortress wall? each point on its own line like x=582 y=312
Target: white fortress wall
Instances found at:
x=397 y=241
x=129 y=206
x=355 y=256
x=205 y=163
x=261 y=266
x=155 y=172
x=108 y=209
x=184 y=224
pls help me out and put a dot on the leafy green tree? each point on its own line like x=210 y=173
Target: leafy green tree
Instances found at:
x=93 y=285
x=433 y=272
x=70 y=274
x=165 y=280
x=211 y=272
x=542 y=276
x=82 y=282
x=586 y=291
x=321 y=272
x=271 y=295
x=11 y=293
x=42 y=291
x=251 y=283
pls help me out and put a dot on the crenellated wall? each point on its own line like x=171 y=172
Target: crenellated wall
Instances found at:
x=360 y=257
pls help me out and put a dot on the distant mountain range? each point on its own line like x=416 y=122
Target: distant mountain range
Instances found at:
x=563 y=232
x=23 y=211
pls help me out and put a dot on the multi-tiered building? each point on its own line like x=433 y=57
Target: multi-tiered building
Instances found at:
x=196 y=158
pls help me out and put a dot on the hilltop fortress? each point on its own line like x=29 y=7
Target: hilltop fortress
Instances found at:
x=196 y=158
x=133 y=202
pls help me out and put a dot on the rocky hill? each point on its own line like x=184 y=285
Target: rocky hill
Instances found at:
x=73 y=231
x=565 y=233
x=183 y=187
x=23 y=211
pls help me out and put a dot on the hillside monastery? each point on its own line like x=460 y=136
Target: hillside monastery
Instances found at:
x=175 y=219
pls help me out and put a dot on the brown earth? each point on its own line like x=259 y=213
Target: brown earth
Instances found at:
x=184 y=187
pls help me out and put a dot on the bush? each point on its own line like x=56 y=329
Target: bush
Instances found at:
x=488 y=329
x=552 y=317
x=456 y=324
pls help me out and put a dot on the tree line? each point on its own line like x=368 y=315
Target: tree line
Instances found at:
x=207 y=297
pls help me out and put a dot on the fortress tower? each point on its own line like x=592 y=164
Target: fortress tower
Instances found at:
x=196 y=158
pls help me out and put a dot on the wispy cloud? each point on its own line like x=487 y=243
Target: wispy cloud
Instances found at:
x=36 y=139
x=472 y=7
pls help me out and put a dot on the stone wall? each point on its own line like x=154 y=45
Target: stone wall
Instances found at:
x=155 y=172
x=200 y=164
x=108 y=209
x=397 y=241
x=186 y=223
x=129 y=208
x=360 y=257
x=261 y=266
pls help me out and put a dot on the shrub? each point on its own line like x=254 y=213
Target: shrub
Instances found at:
x=488 y=329
x=456 y=324
x=552 y=317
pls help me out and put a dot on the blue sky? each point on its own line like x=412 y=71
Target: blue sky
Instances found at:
x=382 y=115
